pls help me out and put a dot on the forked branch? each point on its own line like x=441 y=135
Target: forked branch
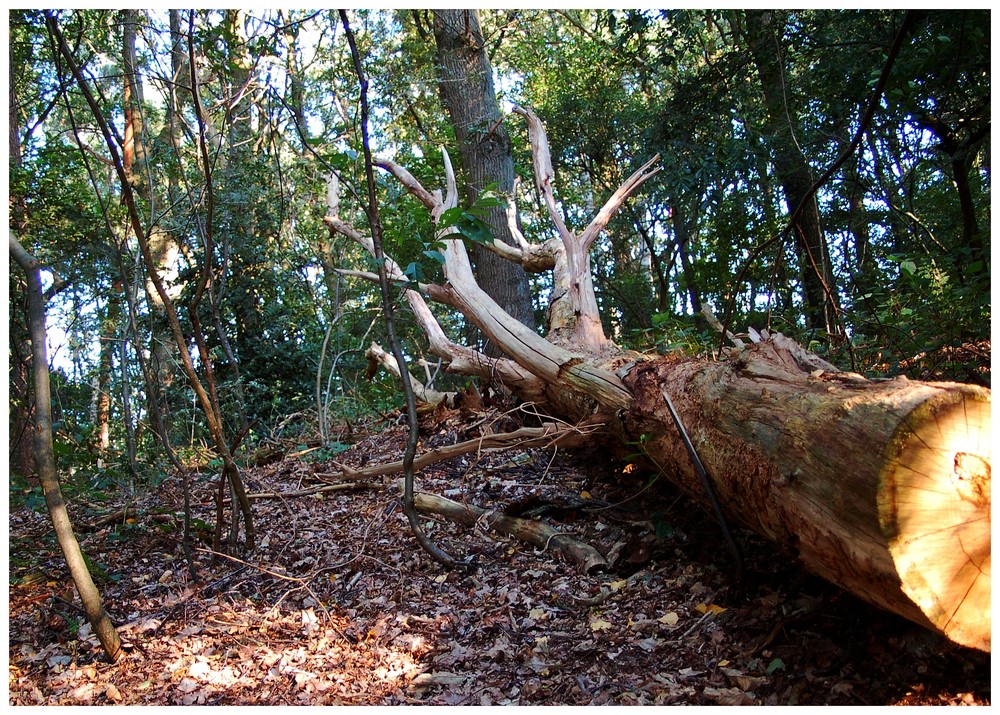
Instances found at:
x=537 y=364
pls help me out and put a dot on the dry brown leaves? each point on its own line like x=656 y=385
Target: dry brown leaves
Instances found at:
x=338 y=606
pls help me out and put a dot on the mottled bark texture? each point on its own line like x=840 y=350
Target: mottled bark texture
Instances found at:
x=466 y=85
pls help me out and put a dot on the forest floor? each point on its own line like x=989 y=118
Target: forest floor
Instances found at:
x=338 y=605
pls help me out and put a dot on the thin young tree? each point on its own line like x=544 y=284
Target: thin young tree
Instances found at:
x=204 y=389
x=45 y=461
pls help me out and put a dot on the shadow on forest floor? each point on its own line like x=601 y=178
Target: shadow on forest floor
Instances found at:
x=339 y=606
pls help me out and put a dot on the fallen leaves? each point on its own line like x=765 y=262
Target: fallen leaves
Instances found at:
x=669 y=619
x=710 y=608
x=112 y=693
x=380 y=624
x=599 y=624
x=728 y=696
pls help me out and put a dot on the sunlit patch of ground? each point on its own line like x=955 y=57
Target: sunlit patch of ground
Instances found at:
x=230 y=653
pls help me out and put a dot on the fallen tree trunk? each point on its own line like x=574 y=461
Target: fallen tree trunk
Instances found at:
x=882 y=487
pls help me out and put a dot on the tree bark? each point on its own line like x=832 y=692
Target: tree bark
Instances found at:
x=683 y=229
x=22 y=458
x=961 y=155
x=101 y=438
x=466 y=86
x=882 y=487
x=763 y=32
x=45 y=460
x=163 y=244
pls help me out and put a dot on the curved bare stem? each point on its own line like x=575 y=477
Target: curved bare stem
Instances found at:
x=374 y=221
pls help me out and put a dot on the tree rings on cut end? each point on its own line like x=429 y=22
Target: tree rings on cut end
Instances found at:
x=934 y=507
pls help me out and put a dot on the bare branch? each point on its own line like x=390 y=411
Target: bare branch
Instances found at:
x=544 y=368
x=377 y=356
x=410 y=182
x=541 y=159
x=537 y=533
x=332 y=196
x=460 y=359
x=373 y=277
x=451 y=198
x=515 y=230
x=611 y=206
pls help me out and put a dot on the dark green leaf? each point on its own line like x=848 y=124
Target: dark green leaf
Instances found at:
x=415 y=272
x=474 y=229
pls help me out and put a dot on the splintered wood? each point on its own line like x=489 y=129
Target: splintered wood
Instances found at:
x=934 y=504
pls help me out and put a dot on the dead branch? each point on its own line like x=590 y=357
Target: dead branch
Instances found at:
x=376 y=357
x=550 y=363
x=536 y=533
x=550 y=434
x=325 y=489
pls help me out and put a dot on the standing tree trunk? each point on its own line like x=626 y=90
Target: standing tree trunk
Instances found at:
x=130 y=431
x=882 y=487
x=101 y=438
x=21 y=459
x=961 y=154
x=162 y=243
x=45 y=459
x=684 y=228
x=466 y=85
x=763 y=32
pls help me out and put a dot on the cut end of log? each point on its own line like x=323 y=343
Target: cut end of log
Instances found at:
x=934 y=506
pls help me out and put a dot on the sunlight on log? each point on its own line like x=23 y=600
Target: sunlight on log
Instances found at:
x=934 y=505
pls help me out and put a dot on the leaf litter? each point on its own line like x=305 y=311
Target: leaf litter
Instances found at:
x=339 y=606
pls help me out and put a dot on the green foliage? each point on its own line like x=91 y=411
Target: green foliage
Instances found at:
x=24 y=494
x=624 y=84
x=662 y=526
x=325 y=453
x=466 y=221
x=100 y=572
x=671 y=333
x=906 y=219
